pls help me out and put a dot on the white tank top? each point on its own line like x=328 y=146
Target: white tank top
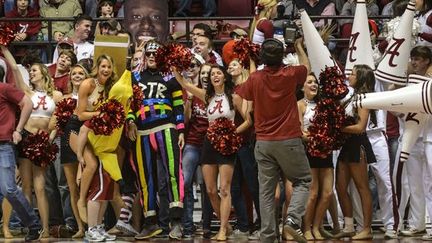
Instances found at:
x=219 y=107
x=43 y=105
x=309 y=114
x=96 y=97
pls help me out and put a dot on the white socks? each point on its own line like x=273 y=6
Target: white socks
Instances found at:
x=348 y=224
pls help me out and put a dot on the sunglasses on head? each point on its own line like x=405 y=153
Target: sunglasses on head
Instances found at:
x=150 y=53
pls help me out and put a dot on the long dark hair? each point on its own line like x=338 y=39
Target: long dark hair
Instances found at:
x=228 y=87
x=365 y=84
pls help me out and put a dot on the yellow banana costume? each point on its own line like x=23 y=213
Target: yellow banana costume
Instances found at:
x=105 y=147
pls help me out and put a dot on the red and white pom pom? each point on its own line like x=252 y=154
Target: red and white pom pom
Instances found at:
x=64 y=110
x=332 y=83
x=325 y=133
x=112 y=116
x=38 y=149
x=173 y=55
x=245 y=49
x=221 y=134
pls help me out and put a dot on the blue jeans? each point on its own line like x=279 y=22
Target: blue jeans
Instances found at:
x=190 y=162
x=10 y=191
x=245 y=170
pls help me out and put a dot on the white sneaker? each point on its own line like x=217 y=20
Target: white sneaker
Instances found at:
x=93 y=235
x=390 y=234
x=126 y=228
x=255 y=235
x=238 y=234
x=413 y=232
x=427 y=237
x=108 y=237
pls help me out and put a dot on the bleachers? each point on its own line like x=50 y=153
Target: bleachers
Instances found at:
x=177 y=24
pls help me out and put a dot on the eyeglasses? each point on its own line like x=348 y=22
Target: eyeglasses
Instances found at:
x=150 y=53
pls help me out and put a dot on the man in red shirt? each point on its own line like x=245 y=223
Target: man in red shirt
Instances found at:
x=279 y=146
x=59 y=71
x=10 y=99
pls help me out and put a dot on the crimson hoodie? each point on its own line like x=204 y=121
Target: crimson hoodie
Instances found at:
x=31 y=28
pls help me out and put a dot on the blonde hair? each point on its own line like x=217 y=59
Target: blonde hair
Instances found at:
x=244 y=73
x=264 y=9
x=86 y=74
x=111 y=80
x=48 y=83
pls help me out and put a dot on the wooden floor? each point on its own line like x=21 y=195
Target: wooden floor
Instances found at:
x=378 y=238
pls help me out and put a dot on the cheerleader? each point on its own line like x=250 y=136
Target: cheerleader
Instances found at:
x=221 y=102
x=44 y=98
x=321 y=191
x=67 y=157
x=354 y=156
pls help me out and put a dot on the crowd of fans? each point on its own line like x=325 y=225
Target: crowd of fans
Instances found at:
x=170 y=129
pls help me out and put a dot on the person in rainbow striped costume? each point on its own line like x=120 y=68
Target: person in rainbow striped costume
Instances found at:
x=157 y=129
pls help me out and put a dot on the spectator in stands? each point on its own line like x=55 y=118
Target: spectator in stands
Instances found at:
x=24 y=30
x=204 y=47
x=262 y=27
x=59 y=8
x=59 y=71
x=82 y=47
x=110 y=27
x=184 y=8
x=317 y=8
x=238 y=34
x=349 y=10
x=9 y=5
x=106 y=8
x=146 y=19
x=200 y=29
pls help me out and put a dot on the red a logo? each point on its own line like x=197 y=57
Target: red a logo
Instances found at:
x=352 y=46
x=41 y=102
x=218 y=107
x=393 y=50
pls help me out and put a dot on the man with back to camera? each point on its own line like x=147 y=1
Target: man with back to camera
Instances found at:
x=278 y=132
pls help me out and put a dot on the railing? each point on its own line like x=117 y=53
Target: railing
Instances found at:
x=50 y=43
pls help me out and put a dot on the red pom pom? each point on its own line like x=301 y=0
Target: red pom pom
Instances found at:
x=245 y=49
x=137 y=98
x=63 y=112
x=38 y=149
x=221 y=134
x=173 y=55
x=333 y=83
x=112 y=116
x=6 y=34
x=325 y=133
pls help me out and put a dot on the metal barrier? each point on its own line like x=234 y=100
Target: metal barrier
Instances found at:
x=50 y=43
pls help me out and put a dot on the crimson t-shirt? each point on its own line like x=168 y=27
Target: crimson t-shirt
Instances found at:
x=10 y=97
x=273 y=92
x=60 y=83
x=196 y=128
